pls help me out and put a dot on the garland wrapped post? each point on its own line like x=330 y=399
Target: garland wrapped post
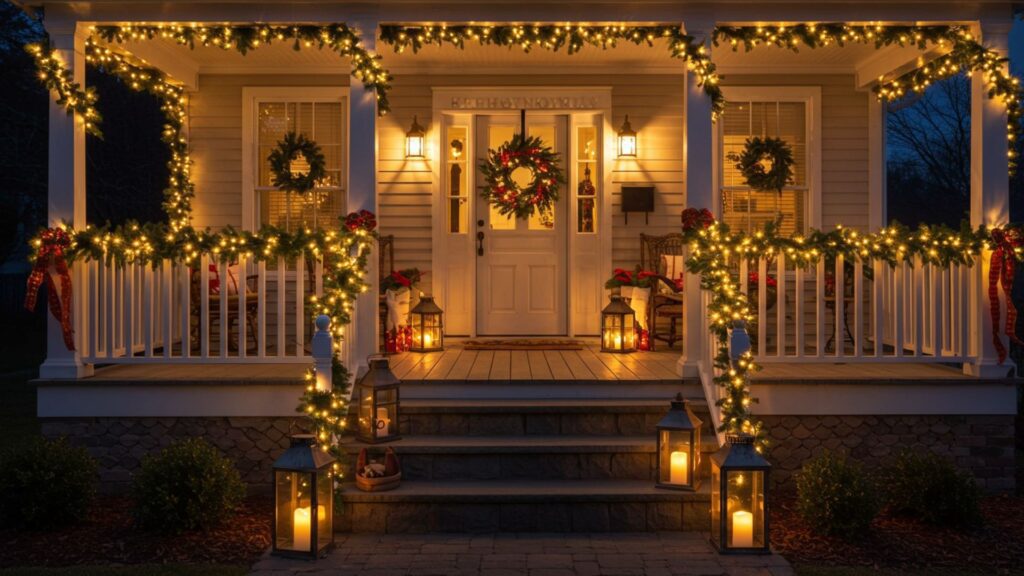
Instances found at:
x=499 y=171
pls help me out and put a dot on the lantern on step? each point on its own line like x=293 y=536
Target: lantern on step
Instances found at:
x=303 y=500
x=427 y=322
x=679 y=447
x=414 y=140
x=618 y=332
x=739 y=497
x=378 y=403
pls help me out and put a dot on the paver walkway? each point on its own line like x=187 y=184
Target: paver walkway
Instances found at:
x=635 y=554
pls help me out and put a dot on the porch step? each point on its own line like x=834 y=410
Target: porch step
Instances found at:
x=567 y=457
x=552 y=417
x=523 y=506
x=548 y=389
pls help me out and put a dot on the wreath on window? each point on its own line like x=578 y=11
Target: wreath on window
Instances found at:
x=766 y=163
x=291 y=174
x=503 y=167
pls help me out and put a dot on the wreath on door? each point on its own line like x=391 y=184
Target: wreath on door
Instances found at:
x=505 y=165
x=290 y=176
x=765 y=163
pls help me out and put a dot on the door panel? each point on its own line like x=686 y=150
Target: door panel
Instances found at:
x=521 y=275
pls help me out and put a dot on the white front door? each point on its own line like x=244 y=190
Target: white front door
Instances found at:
x=521 y=264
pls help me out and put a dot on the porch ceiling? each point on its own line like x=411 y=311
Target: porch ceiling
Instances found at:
x=281 y=58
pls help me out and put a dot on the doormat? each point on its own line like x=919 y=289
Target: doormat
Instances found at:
x=523 y=344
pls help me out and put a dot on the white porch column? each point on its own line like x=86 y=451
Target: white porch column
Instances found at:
x=990 y=201
x=362 y=195
x=877 y=193
x=700 y=169
x=66 y=201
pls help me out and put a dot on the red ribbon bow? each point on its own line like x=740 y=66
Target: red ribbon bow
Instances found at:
x=1002 y=265
x=50 y=262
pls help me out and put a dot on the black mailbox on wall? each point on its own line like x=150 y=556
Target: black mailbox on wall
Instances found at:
x=637 y=199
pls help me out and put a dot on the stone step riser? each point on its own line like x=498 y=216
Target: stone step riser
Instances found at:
x=619 y=516
x=421 y=423
x=536 y=466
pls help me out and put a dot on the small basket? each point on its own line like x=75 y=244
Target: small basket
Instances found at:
x=378 y=484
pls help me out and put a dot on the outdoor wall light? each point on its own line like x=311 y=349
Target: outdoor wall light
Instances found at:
x=414 y=140
x=627 y=140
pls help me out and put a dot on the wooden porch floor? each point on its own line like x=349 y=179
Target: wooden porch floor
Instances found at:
x=456 y=363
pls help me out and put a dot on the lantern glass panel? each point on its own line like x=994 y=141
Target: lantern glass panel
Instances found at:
x=627 y=145
x=366 y=422
x=385 y=418
x=618 y=332
x=293 y=516
x=677 y=458
x=414 y=146
x=325 y=504
x=428 y=334
x=745 y=518
x=716 y=507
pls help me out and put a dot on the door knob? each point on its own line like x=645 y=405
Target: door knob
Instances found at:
x=480 y=243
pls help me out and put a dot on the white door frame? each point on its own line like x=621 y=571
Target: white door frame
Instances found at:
x=468 y=101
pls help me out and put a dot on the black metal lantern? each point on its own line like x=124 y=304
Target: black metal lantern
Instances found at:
x=618 y=331
x=414 y=140
x=679 y=447
x=427 y=321
x=303 y=500
x=627 y=139
x=378 y=403
x=739 y=497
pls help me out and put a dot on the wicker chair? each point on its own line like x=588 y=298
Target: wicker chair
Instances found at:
x=666 y=304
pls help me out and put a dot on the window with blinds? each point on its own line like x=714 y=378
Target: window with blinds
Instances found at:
x=748 y=210
x=324 y=123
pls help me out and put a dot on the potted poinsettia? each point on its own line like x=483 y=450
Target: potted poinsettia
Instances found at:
x=397 y=290
x=635 y=286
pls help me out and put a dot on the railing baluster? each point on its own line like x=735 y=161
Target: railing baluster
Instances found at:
x=282 y=289
x=184 y=273
x=92 y=272
x=798 y=311
x=128 y=283
x=300 y=300
x=819 y=308
x=899 y=277
x=223 y=297
x=938 y=301
x=243 y=298
x=167 y=279
x=780 y=306
x=762 y=307
x=319 y=274
x=204 y=307
x=111 y=308
x=744 y=276
x=261 y=309
x=839 y=292
x=878 y=306
x=148 y=292
x=917 y=295
x=965 y=287
x=858 y=309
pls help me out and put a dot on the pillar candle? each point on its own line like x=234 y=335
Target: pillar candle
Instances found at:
x=382 y=418
x=428 y=340
x=742 y=529
x=301 y=528
x=679 y=472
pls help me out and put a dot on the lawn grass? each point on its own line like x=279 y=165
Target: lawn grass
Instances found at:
x=809 y=570
x=140 y=570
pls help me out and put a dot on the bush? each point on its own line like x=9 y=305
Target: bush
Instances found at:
x=836 y=496
x=189 y=485
x=45 y=484
x=929 y=487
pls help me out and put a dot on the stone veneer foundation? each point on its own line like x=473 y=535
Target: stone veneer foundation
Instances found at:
x=982 y=444
x=119 y=444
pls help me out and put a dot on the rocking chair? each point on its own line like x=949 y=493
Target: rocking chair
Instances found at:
x=664 y=256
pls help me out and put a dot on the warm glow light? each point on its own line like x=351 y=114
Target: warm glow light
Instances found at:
x=679 y=470
x=301 y=528
x=627 y=140
x=414 y=140
x=742 y=529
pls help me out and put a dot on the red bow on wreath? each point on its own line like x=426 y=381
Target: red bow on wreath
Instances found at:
x=49 y=262
x=363 y=219
x=1002 y=265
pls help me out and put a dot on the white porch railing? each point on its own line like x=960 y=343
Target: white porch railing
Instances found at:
x=856 y=313
x=173 y=313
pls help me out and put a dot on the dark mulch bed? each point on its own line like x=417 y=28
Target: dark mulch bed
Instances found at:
x=906 y=543
x=108 y=536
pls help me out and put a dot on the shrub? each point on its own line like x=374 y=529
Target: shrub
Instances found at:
x=929 y=487
x=45 y=484
x=189 y=485
x=836 y=496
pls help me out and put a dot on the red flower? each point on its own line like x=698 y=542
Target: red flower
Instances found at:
x=693 y=218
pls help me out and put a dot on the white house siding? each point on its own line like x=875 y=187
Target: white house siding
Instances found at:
x=844 y=142
x=655 y=107
x=215 y=128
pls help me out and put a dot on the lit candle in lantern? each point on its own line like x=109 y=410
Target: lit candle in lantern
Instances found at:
x=742 y=529
x=383 y=422
x=679 y=471
x=428 y=340
x=301 y=528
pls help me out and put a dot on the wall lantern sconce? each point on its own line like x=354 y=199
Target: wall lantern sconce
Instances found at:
x=303 y=500
x=414 y=140
x=679 y=447
x=618 y=332
x=627 y=140
x=427 y=321
x=739 y=497
x=377 y=399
